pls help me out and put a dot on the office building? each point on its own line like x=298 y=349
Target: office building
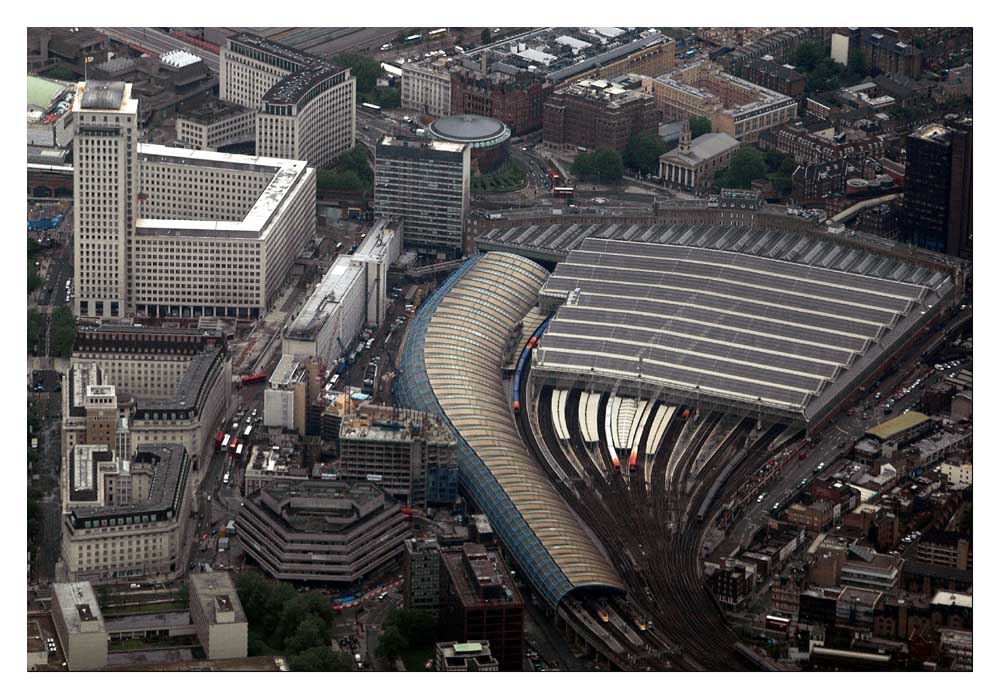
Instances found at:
x=735 y=106
x=217 y=615
x=956 y=650
x=214 y=124
x=170 y=232
x=425 y=184
x=305 y=105
x=79 y=626
x=285 y=396
x=410 y=454
x=937 y=200
x=322 y=530
x=351 y=295
x=479 y=601
x=473 y=656
x=598 y=114
x=422 y=575
x=126 y=513
x=148 y=385
x=426 y=88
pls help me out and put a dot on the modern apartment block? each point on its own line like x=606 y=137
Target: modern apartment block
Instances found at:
x=473 y=656
x=598 y=114
x=479 y=601
x=410 y=454
x=305 y=105
x=425 y=184
x=126 y=514
x=734 y=106
x=937 y=201
x=422 y=575
x=322 y=530
x=427 y=88
x=168 y=232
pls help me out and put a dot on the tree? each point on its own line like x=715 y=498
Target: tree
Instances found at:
x=643 y=152
x=34 y=281
x=857 y=64
x=415 y=625
x=390 y=644
x=36 y=324
x=700 y=126
x=320 y=659
x=62 y=332
x=747 y=165
x=486 y=36
x=309 y=634
x=365 y=70
x=808 y=55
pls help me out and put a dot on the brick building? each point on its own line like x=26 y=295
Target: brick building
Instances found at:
x=774 y=75
x=480 y=602
x=518 y=101
x=597 y=114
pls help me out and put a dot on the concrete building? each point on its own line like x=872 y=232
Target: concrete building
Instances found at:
x=958 y=475
x=693 y=164
x=901 y=429
x=410 y=454
x=735 y=106
x=956 y=650
x=79 y=626
x=178 y=233
x=214 y=124
x=351 y=295
x=305 y=105
x=321 y=530
x=945 y=548
x=425 y=184
x=473 y=656
x=126 y=513
x=218 y=615
x=598 y=114
x=479 y=601
x=422 y=575
x=268 y=464
x=285 y=396
x=426 y=88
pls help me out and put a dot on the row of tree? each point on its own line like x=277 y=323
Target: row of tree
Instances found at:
x=283 y=621
x=822 y=73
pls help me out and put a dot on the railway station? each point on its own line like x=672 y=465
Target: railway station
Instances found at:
x=601 y=406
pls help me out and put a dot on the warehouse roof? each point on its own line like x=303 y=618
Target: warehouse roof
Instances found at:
x=785 y=336
x=450 y=367
x=901 y=423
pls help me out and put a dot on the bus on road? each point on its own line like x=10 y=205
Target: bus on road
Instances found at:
x=225 y=443
x=563 y=192
x=369 y=107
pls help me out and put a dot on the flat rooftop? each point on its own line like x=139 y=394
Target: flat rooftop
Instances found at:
x=78 y=605
x=216 y=592
x=890 y=428
x=212 y=111
x=328 y=294
x=287 y=176
x=708 y=322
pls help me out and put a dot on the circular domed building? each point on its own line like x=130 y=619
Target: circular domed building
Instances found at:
x=486 y=136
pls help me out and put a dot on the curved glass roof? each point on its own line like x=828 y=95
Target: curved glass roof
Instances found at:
x=451 y=366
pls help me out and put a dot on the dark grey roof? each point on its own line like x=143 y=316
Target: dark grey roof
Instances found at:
x=467 y=128
x=98 y=94
x=786 y=335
